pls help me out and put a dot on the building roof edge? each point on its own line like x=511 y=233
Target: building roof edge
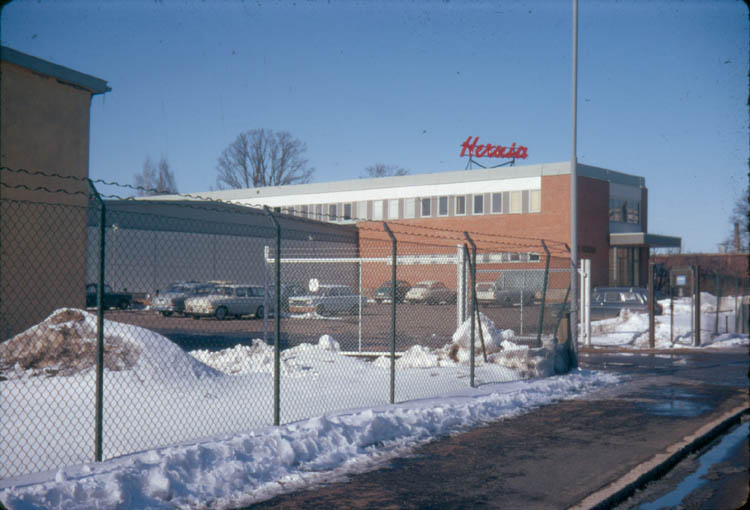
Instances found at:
x=91 y=83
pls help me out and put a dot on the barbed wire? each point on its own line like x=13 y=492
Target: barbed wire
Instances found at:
x=151 y=197
x=43 y=188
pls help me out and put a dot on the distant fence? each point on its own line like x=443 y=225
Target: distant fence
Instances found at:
x=134 y=324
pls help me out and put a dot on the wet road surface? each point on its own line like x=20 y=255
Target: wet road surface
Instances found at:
x=557 y=455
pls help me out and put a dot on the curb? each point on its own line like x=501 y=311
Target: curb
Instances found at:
x=653 y=469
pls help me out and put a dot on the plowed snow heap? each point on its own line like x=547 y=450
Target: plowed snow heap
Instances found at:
x=64 y=344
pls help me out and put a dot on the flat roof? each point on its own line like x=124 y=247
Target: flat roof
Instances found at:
x=645 y=239
x=405 y=181
x=91 y=83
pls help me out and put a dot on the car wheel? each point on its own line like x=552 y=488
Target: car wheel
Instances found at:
x=259 y=313
x=320 y=310
x=507 y=302
x=221 y=313
x=195 y=317
x=124 y=304
x=166 y=314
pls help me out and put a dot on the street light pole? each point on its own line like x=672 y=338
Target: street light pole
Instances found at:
x=574 y=192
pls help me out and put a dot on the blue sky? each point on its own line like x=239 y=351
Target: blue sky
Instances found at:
x=663 y=87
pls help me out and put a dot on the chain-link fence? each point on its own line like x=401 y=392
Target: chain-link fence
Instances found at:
x=133 y=324
x=712 y=303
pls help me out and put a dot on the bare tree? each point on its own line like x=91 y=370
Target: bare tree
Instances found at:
x=262 y=157
x=739 y=237
x=155 y=179
x=383 y=170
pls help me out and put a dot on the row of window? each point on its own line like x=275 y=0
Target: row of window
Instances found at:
x=625 y=211
x=506 y=202
x=482 y=258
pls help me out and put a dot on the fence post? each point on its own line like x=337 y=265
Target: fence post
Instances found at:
x=697 y=270
x=717 y=291
x=460 y=285
x=523 y=290
x=393 y=313
x=277 y=329
x=651 y=307
x=544 y=296
x=474 y=310
x=99 y=404
x=266 y=254
x=671 y=310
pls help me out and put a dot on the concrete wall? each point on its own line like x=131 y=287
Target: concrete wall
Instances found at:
x=45 y=126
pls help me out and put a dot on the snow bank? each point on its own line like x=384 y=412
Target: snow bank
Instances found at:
x=630 y=329
x=64 y=344
x=247 y=468
x=501 y=351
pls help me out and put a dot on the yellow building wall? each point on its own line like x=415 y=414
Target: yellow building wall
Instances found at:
x=44 y=127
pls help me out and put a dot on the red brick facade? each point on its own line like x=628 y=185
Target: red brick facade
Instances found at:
x=506 y=232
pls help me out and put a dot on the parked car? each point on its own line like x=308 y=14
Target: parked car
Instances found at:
x=173 y=299
x=229 y=300
x=489 y=293
x=384 y=293
x=328 y=300
x=607 y=302
x=431 y=292
x=112 y=299
x=288 y=290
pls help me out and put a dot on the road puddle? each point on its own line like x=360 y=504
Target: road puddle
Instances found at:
x=678 y=403
x=697 y=479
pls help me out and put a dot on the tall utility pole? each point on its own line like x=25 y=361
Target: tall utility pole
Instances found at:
x=574 y=192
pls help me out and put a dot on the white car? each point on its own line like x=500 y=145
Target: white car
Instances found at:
x=487 y=292
x=328 y=300
x=230 y=300
x=431 y=292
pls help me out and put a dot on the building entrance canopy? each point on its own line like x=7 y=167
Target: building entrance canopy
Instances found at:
x=644 y=239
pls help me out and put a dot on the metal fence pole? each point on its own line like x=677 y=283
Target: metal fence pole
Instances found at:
x=523 y=289
x=697 y=306
x=359 y=309
x=393 y=313
x=266 y=253
x=544 y=296
x=671 y=310
x=473 y=270
x=717 y=291
x=99 y=404
x=277 y=332
x=651 y=307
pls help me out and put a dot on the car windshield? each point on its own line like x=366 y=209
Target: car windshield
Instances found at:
x=225 y=291
x=178 y=288
x=485 y=287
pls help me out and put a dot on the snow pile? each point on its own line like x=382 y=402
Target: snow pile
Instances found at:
x=65 y=344
x=299 y=361
x=630 y=329
x=246 y=468
x=500 y=349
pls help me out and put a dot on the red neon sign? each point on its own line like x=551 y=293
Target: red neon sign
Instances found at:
x=487 y=150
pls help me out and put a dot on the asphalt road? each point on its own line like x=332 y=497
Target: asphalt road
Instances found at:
x=560 y=454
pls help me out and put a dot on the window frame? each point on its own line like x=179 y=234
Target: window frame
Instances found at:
x=474 y=198
x=455 y=205
x=440 y=205
x=422 y=202
x=498 y=194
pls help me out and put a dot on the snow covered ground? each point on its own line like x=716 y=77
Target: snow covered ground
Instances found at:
x=630 y=330
x=214 y=410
